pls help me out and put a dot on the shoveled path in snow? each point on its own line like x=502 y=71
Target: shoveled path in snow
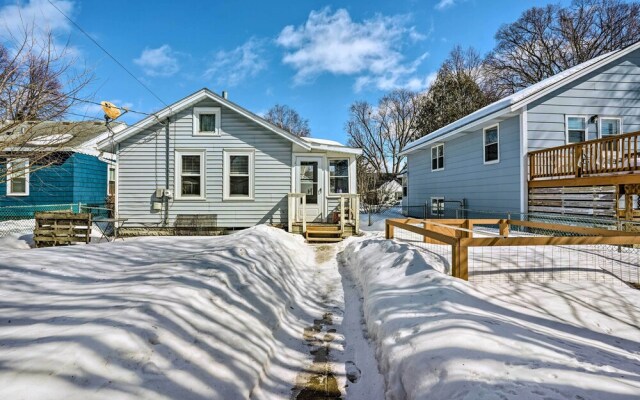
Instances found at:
x=343 y=364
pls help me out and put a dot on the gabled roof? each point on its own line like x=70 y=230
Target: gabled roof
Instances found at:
x=190 y=100
x=519 y=99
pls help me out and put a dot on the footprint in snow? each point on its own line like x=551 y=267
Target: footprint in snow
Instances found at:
x=353 y=372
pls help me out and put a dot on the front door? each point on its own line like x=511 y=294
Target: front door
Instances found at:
x=310 y=182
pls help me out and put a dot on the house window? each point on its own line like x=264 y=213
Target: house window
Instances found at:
x=206 y=121
x=576 y=129
x=111 y=179
x=610 y=126
x=437 y=206
x=190 y=174
x=437 y=157
x=338 y=176
x=238 y=174
x=18 y=177
x=491 y=145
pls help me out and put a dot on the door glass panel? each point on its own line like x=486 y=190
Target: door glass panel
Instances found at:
x=309 y=180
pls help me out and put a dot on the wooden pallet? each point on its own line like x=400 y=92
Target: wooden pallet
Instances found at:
x=61 y=228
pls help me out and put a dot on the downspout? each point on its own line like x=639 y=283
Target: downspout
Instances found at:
x=166 y=172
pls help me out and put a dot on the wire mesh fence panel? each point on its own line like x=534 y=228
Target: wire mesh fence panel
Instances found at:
x=20 y=219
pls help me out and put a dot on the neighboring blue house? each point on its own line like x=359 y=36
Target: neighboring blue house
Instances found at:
x=58 y=166
x=567 y=145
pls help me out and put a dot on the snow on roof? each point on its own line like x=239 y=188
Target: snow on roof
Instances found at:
x=390 y=186
x=322 y=141
x=524 y=95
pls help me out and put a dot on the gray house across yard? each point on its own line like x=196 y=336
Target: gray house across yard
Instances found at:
x=206 y=155
x=567 y=145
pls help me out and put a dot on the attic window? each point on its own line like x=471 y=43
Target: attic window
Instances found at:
x=206 y=121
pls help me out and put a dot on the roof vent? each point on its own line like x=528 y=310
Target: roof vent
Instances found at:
x=225 y=94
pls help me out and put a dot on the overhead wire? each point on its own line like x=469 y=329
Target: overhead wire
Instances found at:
x=108 y=54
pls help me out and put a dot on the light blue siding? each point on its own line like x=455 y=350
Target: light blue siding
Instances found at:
x=142 y=169
x=611 y=91
x=485 y=187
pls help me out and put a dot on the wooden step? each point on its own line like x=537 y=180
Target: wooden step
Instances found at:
x=324 y=239
x=319 y=228
x=323 y=233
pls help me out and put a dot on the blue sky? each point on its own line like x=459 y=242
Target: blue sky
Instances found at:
x=315 y=56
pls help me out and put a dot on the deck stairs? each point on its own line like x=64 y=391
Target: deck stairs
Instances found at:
x=323 y=233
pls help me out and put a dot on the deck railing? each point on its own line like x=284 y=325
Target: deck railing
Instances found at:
x=297 y=207
x=352 y=211
x=610 y=155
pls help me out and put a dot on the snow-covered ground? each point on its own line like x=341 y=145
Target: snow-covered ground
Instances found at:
x=439 y=337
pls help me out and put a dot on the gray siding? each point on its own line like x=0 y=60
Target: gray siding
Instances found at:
x=612 y=91
x=491 y=187
x=142 y=169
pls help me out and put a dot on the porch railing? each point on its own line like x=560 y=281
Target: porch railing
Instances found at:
x=297 y=207
x=351 y=213
x=610 y=155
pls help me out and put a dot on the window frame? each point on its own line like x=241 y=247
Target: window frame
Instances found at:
x=566 y=128
x=435 y=147
x=348 y=160
x=111 y=167
x=484 y=144
x=600 y=118
x=197 y=111
x=178 y=174
x=439 y=199
x=226 y=184
x=27 y=179
x=405 y=185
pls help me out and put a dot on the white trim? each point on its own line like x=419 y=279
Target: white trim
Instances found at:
x=227 y=153
x=431 y=157
x=524 y=160
x=322 y=179
x=197 y=111
x=25 y=172
x=566 y=127
x=601 y=117
x=328 y=181
x=438 y=198
x=116 y=206
x=115 y=181
x=188 y=101
x=515 y=102
x=484 y=144
x=177 y=188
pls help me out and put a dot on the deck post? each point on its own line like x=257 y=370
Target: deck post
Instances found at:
x=356 y=212
x=290 y=207
x=342 y=213
x=388 y=230
x=304 y=214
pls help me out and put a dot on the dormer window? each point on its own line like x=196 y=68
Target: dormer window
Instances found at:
x=206 y=121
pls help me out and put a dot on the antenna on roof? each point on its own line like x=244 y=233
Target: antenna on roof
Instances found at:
x=111 y=111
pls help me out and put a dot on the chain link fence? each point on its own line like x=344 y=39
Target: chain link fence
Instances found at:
x=20 y=219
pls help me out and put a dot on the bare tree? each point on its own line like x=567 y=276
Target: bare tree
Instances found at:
x=548 y=40
x=381 y=132
x=39 y=82
x=285 y=117
x=460 y=88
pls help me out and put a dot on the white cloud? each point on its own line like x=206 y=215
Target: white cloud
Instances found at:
x=234 y=66
x=334 y=43
x=160 y=62
x=443 y=4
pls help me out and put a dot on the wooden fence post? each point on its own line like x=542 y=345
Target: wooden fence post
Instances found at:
x=504 y=227
x=426 y=226
x=388 y=230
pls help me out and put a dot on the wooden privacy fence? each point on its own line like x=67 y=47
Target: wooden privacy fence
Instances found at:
x=459 y=234
x=61 y=228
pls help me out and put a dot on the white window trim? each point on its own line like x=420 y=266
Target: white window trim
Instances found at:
x=227 y=153
x=566 y=127
x=601 y=117
x=109 y=167
x=484 y=144
x=431 y=204
x=10 y=177
x=329 y=159
x=431 y=159
x=196 y=120
x=177 y=189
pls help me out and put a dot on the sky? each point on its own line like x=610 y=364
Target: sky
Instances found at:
x=317 y=57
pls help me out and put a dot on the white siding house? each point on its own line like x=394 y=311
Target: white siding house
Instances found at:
x=207 y=155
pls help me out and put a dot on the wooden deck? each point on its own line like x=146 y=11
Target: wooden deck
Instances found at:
x=612 y=160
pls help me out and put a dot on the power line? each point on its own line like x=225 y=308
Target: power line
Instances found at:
x=109 y=54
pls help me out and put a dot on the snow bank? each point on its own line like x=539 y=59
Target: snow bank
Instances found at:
x=154 y=318
x=441 y=338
